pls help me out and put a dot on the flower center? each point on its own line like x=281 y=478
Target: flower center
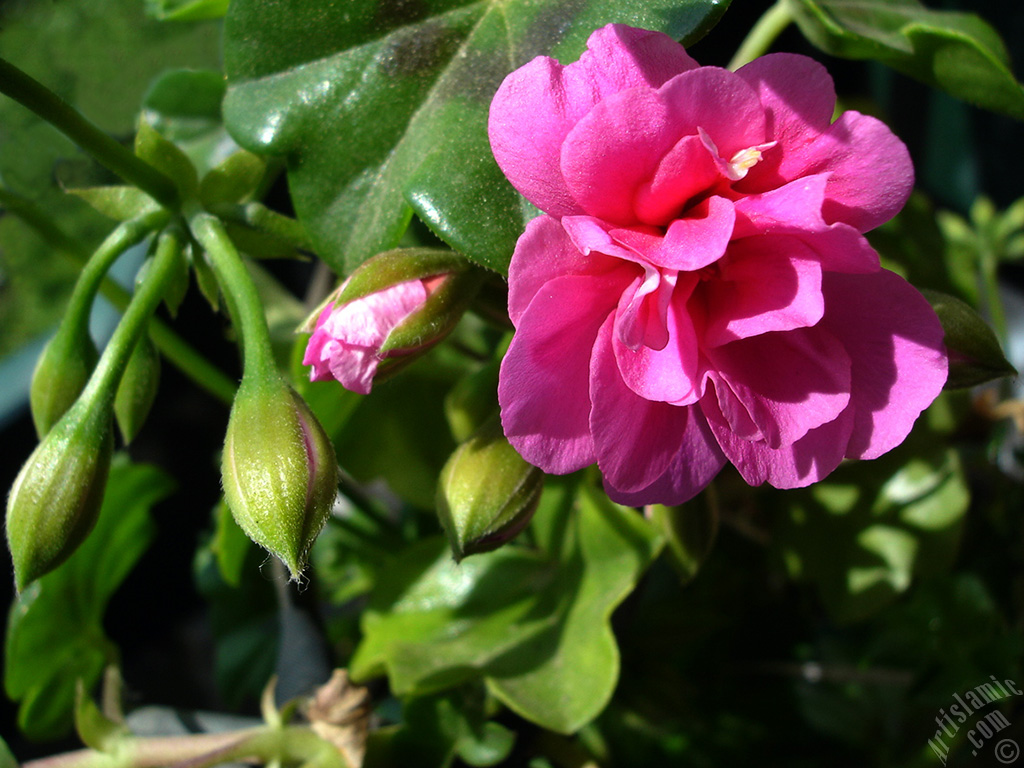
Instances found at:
x=737 y=167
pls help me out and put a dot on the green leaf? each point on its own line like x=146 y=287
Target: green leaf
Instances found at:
x=380 y=108
x=535 y=626
x=230 y=545
x=690 y=531
x=55 y=629
x=974 y=352
x=957 y=52
x=862 y=535
x=186 y=10
x=7 y=759
x=237 y=177
x=94 y=728
x=168 y=159
x=118 y=202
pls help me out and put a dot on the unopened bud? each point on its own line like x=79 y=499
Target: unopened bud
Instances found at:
x=279 y=471
x=56 y=498
x=487 y=492
x=393 y=308
x=137 y=390
x=60 y=375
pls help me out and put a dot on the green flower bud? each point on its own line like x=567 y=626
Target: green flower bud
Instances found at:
x=137 y=390
x=279 y=471
x=60 y=375
x=56 y=497
x=487 y=492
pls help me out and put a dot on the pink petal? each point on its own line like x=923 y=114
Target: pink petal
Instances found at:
x=538 y=104
x=899 y=361
x=870 y=172
x=808 y=460
x=613 y=154
x=546 y=251
x=669 y=373
x=544 y=384
x=683 y=173
x=788 y=383
x=348 y=338
x=662 y=453
x=764 y=284
x=795 y=209
x=614 y=149
x=798 y=96
x=699 y=238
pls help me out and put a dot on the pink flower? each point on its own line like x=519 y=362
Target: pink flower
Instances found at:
x=699 y=289
x=346 y=343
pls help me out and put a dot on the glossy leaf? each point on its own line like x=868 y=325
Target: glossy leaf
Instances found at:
x=55 y=630
x=534 y=625
x=957 y=52
x=380 y=107
x=975 y=356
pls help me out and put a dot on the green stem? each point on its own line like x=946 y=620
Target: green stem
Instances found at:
x=760 y=38
x=103 y=383
x=292 y=744
x=177 y=351
x=240 y=294
x=50 y=107
x=91 y=277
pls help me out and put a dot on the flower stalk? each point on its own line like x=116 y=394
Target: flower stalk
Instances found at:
x=32 y=94
x=761 y=36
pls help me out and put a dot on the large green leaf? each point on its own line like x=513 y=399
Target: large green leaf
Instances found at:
x=55 y=630
x=957 y=52
x=380 y=106
x=862 y=535
x=533 y=624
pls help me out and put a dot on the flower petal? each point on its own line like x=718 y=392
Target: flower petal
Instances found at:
x=899 y=361
x=789 y=383
x=544 y=384
x=670 y=373
x=699 y=238
x=639 y=443
x=764 y=284
x=795 y=209
x=546 y=251
x=538 y=104
x=808 y=460
x=798 y=96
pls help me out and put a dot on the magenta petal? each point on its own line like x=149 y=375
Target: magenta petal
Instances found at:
x=795 y=209
x=798 y=96
x=698 y=239
x=685 y=171
x=764 y=284
x=614 y=149
x=639 y=443
x=668 y=374
x=870 y=172
x=808 y=460
x=544 y=384
x=789 y=383
x=538 y=104
x=899 y=361
x=546 y=251
x=718 y=102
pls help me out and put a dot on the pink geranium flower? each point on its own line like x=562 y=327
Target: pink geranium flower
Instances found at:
x=699 y=288
x=347 y=340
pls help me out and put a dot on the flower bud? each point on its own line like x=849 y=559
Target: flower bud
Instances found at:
x=56 y=497
x=279 y=471
x=60 y=374
x=394 y=307
x=137 y=390
x=487 y=492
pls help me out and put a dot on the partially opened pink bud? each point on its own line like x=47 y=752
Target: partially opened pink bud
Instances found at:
x=394 y=307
